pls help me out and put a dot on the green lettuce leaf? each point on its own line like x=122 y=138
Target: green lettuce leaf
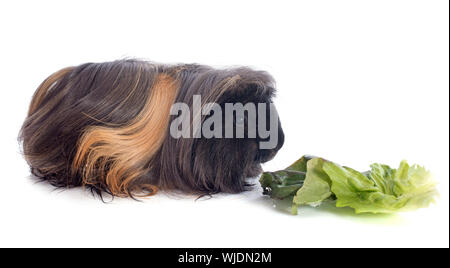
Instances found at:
x=312 y=180
x=316 y=187
x=285 y=183
x=383 y=189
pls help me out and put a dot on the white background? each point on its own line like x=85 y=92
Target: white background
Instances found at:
x=358 y=82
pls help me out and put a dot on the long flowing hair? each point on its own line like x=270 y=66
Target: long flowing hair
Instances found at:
x=105 y=126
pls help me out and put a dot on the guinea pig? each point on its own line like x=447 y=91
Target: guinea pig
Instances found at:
x=131 y=127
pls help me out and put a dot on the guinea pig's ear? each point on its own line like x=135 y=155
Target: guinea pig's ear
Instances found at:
x=248 y=92
x=259 y=90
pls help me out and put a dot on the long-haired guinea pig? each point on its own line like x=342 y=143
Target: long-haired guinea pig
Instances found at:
x=131 y=127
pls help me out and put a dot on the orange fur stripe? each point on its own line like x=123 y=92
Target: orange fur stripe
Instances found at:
x=117 y=156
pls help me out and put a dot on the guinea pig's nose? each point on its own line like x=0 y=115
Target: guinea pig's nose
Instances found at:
x=265 y=155
x=280 y=136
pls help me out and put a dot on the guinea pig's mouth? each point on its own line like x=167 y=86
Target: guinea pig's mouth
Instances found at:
x=253 y=170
